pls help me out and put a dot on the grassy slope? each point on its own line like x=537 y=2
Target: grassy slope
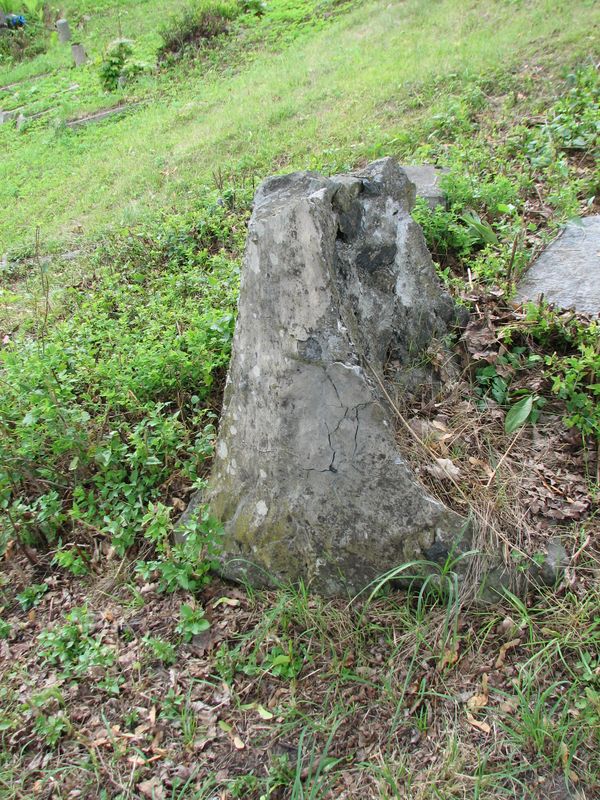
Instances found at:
x=332 y=98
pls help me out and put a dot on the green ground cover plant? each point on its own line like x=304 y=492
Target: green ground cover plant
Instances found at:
x=109 y=402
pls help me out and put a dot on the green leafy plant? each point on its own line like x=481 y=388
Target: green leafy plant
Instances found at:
x=489 y=381
x=243 y=786
x=573 y=368
x=519 y=413
x=98 y=414
x=32 y=595
x=191 y=621
x=5 y=629
x=257 y=7
x=73 y=647
x=160 y=649
x=283 y=662
x=187 y=563
x=117 y=65
x=52 y=728
x=576 y=380
x=71 y=559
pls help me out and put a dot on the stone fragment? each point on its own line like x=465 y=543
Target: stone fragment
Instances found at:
x=426 y=179
x=7 y=116
x=79 y=54
x=100 y=115
x=64 y=32
x=568 y=271
x=556 y=561
x=307 y=479
x=21 y=122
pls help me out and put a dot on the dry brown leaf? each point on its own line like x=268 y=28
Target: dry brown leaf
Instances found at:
x=450 y=657
x=564 y=755
x=227 y=601
x=152 y=788
x=475 y=723
x=443 y=468
x=503 y=651
x=480 y=700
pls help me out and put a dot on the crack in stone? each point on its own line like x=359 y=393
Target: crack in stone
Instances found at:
x=335 y=389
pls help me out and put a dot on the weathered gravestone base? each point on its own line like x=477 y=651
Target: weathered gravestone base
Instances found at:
x=307 y=479
x=79 y=55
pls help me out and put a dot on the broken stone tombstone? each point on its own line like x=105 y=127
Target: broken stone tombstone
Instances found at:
x=568 y=271
x=307 y=479
x=7 y=116
x=64 y=32
x=426 y=179
x=79 y=54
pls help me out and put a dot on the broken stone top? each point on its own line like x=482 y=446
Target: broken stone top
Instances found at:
x=383 y=179
x=392 y=312
x=307 y=479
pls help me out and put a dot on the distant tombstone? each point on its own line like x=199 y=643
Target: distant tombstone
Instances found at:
x=79 y=54
x=64 y=32
x=6 y=116
x=426 y=179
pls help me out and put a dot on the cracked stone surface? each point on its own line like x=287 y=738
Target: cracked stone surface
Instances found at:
x=307 y=478
x=568 y=271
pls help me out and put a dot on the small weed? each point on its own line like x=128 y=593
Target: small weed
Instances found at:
x=32 y=595
x=186 y=564
x=52 y=728
x=243 y=786
x=191 y=621
x=572 y=370
x=72 y=560
x=160 y=649
x=72 y=647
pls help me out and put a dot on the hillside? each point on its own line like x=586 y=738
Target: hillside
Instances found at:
x=128 y=669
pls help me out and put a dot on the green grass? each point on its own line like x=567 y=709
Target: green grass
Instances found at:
x=345 y=90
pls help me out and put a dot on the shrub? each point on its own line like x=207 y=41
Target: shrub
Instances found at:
x=22 y=43
x=113 y=63
x=117 y=65
x=199 y=22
